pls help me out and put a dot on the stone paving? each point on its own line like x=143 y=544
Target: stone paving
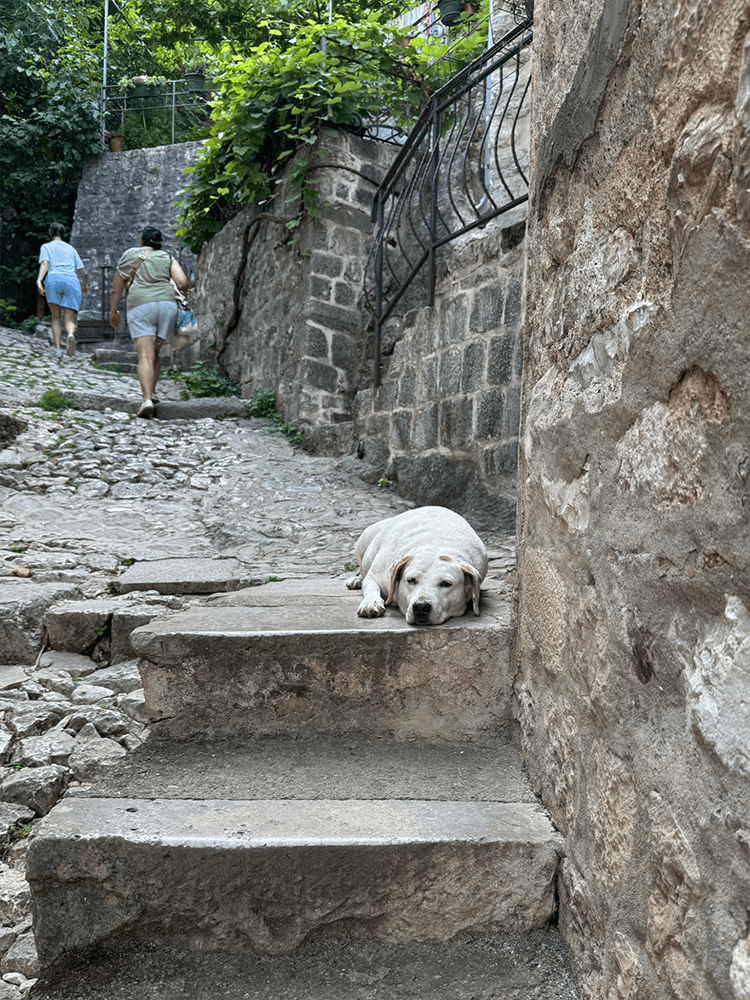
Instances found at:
x=95 y=503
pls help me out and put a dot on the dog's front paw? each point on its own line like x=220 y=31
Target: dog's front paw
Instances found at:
x=371 y=609
x=355 y=583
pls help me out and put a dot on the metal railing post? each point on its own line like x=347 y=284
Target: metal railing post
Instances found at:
x=433 y=203
x=174 y=84
x=379 y=236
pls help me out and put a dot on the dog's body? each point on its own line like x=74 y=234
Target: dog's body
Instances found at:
x=429 y=559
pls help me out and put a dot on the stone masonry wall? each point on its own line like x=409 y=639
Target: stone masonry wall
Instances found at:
x=119 y=194
x=633 y=686
x=445 y=418
x=286 y=306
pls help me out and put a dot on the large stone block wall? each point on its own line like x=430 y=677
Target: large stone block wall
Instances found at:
x=446 y=413
x=633 y=685
x=286 y=307
x=118 y=196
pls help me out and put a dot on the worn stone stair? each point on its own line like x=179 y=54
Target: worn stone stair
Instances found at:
x=312 y=777
x=126 y=361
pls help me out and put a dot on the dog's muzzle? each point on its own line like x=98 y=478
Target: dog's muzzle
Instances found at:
x=421 y=611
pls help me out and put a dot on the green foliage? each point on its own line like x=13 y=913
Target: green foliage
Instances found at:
x=202 y=382
x=53 y=400
x=48 y=128
x=263 y=404
x=280 y=96
x=384 y=483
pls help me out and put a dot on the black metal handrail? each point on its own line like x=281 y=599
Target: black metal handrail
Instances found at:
x=463 y=164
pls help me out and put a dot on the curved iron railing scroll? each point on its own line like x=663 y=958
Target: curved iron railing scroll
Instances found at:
x=464 y=163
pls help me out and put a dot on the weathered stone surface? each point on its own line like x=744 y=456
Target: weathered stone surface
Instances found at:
x=73 y=664
x=133 y=705
x=38 y=788
x=10 y=816
x=106 y=721
x=22 y=956
x=52 y=748
x=121 y=678
x=451 y=867
x=91 y=761
x=22 y=609
x=15 y=896
x=182 y=576
x=199 y=409
x=12 y=677
x=233 y=671
x=91 y=694
x=33 y=718
x=633 y=684
x=58 y=680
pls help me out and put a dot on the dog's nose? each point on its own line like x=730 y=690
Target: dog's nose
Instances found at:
x=422 y=609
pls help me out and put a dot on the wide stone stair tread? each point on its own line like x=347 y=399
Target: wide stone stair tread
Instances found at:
x=224 y=846
x=529 y=966
x=311 y=664
x=320 y=766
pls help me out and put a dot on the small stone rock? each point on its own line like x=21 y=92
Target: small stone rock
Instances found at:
x=34 y=719
x=52 y=748
x=107 y=722
x=72 y=663
x=22 y=956
x=55 y=679
x=11 y=815
x=32 y=689
x=92 y=761
x=8 y=990
x=6 y=744
x=130 y=742
x=39 y=788
x=88 y=733
x=121 y=679
x=12 y=677
x=91 y=694
x=15 y=897
x=133 y=704
x=7 y=936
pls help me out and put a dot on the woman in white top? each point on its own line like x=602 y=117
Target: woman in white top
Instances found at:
x=66 y=283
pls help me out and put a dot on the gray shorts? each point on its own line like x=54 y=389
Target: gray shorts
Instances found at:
x=152 y=319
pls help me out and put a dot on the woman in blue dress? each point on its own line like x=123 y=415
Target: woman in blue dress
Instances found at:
x=66 y=283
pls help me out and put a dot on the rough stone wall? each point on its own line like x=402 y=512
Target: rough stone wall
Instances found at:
x=633 y=687
x=119 y=194
x=290 y=316
x=446 y=415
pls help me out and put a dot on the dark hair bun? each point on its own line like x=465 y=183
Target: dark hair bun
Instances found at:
x=58 y=229
x=151 y=236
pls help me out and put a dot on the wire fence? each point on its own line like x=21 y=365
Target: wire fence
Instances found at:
x=156 y=114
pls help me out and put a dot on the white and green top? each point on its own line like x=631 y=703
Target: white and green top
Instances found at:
x=151 y=282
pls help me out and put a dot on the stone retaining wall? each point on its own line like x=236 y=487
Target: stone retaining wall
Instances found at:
x=634 y=631
x=118 y=196
x=286 y=306
x=444 y=422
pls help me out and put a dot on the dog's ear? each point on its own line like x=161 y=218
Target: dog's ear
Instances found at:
x=396 y=571
x=471 y=576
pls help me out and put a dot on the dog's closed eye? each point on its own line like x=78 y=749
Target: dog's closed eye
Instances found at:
x=411 y=579
x=445 y=583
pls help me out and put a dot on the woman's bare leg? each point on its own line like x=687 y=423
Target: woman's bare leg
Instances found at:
x=70 y=328
x=54 y=310
x=149 y=366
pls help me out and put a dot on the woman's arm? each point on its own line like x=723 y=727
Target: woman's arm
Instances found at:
x=84 y=279
x=178 y=276
x=118 y=287
x=43 y=268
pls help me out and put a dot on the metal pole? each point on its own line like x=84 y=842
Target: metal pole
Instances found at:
x=433 y=202
x=174 y=84
x=104 y=68
x=379 y=236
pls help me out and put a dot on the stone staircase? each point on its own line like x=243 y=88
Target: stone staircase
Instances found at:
x=320 y=792
x=125 y=361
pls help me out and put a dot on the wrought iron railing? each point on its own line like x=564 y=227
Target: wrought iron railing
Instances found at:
x=464 y=163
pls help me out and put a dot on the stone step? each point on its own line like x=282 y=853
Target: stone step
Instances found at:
x=311 y=664
x=530 y=966
x=209 y=847
x=111 y=355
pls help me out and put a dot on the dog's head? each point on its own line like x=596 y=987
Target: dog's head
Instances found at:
x=431 y=589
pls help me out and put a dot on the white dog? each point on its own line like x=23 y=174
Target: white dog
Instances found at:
x=429 y=559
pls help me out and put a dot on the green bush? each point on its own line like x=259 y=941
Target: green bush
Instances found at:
x=202 y=382
x=263 y=404
x=53 y=400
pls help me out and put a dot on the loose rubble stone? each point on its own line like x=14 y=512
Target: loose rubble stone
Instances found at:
x=57 y=680
x=23 y=605
x=12 y=677
x=93 y=760
x=39 y=788
x=22 y=956
x=91 y=694
x=15 y=896
x=33 y=719
x=134 y=705
x=121 y=679
x=73 y=664
x=52 y=748
x=8 y=989
x=10 y=816
x=106 y=722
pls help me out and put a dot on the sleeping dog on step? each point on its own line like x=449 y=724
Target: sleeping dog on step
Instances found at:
x=429 y=560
